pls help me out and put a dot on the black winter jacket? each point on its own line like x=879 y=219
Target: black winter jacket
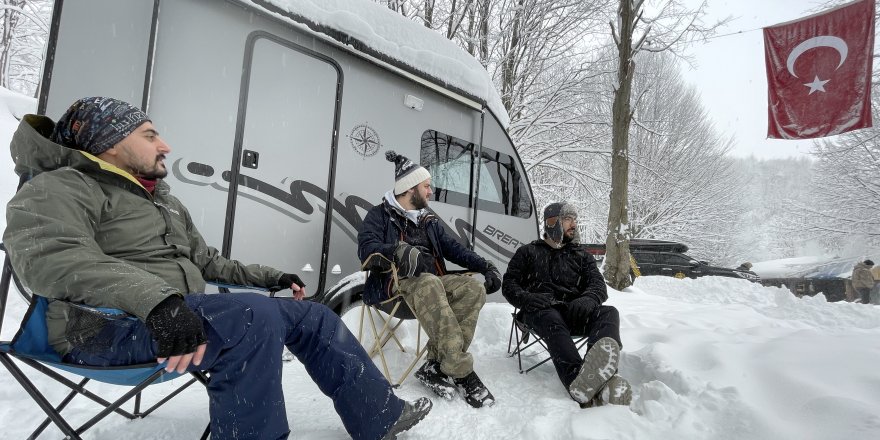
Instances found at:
x=381 y=232
x=569 y=273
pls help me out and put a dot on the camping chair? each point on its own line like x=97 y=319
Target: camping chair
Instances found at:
x=30 y=346
x=521 y=333
x=391 y=314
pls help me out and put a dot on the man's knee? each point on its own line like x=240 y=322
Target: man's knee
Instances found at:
x=423 y=283
x=474 y=291
x=609 y=314
x=545 y=320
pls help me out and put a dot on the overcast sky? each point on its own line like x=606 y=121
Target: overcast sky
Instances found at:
x=730 y=75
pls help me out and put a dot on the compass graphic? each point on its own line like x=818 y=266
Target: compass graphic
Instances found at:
x=364 y=140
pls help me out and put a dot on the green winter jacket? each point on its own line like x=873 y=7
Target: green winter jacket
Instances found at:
x=85 y=231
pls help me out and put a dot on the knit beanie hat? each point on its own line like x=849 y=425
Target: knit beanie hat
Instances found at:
x=406 y=173
x=96 y=124
x=869 y=263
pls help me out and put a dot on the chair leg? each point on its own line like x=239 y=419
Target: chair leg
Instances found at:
x=38 y=397
x=60 y=407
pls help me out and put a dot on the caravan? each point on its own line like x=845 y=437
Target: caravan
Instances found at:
x=279 y=113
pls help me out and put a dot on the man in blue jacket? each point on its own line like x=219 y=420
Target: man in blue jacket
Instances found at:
x=401 y=229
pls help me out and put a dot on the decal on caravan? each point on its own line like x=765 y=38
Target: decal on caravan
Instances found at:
x=279 y=113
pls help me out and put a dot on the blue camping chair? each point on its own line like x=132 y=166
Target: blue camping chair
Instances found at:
x=30 y=346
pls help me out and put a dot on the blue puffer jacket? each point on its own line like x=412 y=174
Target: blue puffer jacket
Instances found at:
x=381 y=231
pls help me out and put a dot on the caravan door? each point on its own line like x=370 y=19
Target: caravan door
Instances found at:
x=283 y=155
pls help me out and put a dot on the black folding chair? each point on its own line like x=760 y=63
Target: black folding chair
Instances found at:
x=521 y=334
x=30 y=347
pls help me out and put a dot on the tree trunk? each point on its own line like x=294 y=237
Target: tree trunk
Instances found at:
x=10 y=19
x=617 y=256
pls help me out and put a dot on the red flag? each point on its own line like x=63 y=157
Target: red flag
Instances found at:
x=819 y=72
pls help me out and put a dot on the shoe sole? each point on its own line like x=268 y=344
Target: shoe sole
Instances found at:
x=619 y=391
x=599 y=366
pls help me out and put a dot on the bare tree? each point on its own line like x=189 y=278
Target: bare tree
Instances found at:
x=847 y=188
x=23 y=34
x=683 y=186
x=670 y=28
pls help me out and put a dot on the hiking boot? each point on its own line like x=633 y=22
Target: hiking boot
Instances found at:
x=475 y=393
x=617 y=391
x=600 y=364
x=435 y=380
x=412 y=414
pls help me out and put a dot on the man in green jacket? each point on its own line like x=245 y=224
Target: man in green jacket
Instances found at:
x=95 y=224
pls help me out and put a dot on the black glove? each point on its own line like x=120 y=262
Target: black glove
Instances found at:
x=537 y=301
x=410 y=261
x=286 y=281
x=493 y=279
x=583 y=307
x=177 y=329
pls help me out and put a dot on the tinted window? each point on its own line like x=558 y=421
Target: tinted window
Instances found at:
x=677 y=260
x=643 y=258
x=450 y=161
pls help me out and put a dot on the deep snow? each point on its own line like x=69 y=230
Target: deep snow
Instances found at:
x=712 y=358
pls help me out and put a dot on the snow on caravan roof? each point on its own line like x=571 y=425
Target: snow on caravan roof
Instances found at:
x=375 y=30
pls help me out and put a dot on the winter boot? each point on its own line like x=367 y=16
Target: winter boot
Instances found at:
x=475 y=393
x=431 y=377
x=599 y=365
x=412 y=414
x=617 y=391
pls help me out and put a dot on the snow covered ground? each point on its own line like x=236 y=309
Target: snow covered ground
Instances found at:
x=712 y=358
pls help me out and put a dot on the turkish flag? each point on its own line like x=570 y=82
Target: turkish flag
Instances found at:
x=819 y=72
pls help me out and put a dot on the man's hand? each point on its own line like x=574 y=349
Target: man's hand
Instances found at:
x=493 y=279
x=583 y=307
x=294 y=283
x=181 y=362
x=298 y=292
x=179 y=333
x=537 y=301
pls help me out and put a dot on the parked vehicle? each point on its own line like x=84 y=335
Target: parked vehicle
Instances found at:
x=668 y=258
x=279 y=119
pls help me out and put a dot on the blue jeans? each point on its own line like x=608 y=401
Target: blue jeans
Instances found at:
x=246 y=332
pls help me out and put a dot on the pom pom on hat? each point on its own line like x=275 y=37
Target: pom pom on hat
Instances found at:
x=406 y=173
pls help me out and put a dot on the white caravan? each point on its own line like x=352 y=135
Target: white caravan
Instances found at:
x=296 y=103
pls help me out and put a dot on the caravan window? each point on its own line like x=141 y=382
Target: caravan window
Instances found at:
x=450 y=161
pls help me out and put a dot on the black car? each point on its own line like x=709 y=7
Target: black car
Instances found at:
x=668 y=258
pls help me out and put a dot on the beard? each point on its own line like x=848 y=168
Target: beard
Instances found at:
x=156 y=171
x=417 y=201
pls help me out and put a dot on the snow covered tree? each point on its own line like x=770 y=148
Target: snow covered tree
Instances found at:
x=669 y=27
x=25 y=26
x=846 y=186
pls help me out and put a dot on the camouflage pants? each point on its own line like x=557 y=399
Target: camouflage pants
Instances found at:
x=447 y=307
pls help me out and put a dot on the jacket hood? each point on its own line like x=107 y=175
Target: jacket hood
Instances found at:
x=33 y=152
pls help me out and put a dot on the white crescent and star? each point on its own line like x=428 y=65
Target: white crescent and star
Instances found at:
x=836 y=43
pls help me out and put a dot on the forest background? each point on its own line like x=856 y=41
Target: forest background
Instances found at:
x=555 y=64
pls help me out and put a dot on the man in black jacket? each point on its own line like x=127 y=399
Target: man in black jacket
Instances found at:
x=556 y=285
x=401 y=229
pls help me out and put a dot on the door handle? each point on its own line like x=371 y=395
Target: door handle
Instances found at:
x=250 y=159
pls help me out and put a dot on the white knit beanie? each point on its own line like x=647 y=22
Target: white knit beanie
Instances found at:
x=406 y=173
